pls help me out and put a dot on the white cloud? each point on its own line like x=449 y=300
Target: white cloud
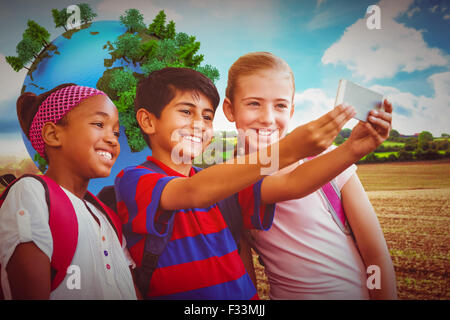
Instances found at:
x=10 y=81
x=413 y=11
x=434 y=8
x=417 y=113
x=311 y=104
x=412 y=113
x=372 y=54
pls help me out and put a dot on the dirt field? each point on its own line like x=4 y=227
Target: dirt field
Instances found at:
x=412 y=204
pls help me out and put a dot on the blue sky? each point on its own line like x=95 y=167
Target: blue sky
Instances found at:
x=323 y=41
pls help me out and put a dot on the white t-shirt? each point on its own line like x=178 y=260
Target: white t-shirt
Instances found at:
x=306 y=255
x=100 y=266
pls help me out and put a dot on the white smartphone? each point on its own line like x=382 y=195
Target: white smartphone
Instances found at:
x=362 y=99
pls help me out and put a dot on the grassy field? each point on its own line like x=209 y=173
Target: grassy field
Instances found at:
x=393 y=144
x=412 y=205
x=386 y=154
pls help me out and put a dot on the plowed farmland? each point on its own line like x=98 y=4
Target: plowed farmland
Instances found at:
x=412 y=204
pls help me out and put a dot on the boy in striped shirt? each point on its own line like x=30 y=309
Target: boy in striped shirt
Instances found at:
x=170 y=198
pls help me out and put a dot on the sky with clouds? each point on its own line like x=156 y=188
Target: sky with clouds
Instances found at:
x=407 y=60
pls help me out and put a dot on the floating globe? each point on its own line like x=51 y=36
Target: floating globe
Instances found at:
x=79 y=56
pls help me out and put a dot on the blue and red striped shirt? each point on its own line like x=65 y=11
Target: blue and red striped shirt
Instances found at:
x=201 y=260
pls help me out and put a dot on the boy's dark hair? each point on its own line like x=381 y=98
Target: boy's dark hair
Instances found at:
x=155 y=92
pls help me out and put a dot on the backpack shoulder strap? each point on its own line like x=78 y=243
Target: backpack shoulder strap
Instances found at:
x=152 y=166
x=231 y=213
x=7 y=183
x=153 y=248
x=64 y=228
x=333 y=197
x=109 y=213
x=11 y=183
x=107 y=196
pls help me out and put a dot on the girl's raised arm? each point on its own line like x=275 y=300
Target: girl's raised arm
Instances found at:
x=310 y=176
x=222 y=180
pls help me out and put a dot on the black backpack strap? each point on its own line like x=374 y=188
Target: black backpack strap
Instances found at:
x=108 y=196
x=231 y=212
x=153 y=248
x=6 y=179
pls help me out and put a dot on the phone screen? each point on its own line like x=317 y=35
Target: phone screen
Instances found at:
x=362 y=99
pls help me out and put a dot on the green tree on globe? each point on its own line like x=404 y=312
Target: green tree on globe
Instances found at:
x=111 y=56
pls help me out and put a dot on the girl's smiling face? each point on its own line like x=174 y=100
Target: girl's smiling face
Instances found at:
x=90 y=134
x=262 y=107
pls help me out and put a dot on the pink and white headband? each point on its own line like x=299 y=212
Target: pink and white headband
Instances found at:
x=54 y=108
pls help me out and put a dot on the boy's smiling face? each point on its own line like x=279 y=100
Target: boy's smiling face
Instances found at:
x=184 y=128
x=262 y=107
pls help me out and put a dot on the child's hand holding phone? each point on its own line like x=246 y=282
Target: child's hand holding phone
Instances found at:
x=374 y=115
x=316 y=136
x=367 y=136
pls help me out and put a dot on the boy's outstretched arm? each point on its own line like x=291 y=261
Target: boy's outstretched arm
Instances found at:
x=369 y=237
x=310 y=176
x=222 y=180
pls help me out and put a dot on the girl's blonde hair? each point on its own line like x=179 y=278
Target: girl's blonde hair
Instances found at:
x=251 y=63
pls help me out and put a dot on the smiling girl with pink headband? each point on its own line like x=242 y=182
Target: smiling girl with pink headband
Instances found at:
x=76 y=130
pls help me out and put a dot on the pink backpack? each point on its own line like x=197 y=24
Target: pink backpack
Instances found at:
x=63 y=225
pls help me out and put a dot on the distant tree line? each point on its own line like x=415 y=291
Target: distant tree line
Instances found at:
x=407 y=148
